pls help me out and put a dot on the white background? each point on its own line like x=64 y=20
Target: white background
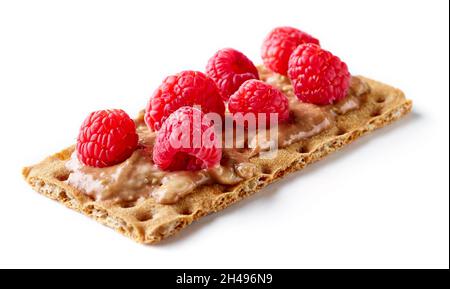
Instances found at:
x=382 y=202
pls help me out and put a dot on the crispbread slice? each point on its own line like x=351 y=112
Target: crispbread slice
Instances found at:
x=149 y=222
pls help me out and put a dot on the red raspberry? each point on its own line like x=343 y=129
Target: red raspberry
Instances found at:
x=106 y=138
x=177 y=148
x=230 y=68
x=318 y=76
x=186 y=88
x=279 y=44
x=255 y=96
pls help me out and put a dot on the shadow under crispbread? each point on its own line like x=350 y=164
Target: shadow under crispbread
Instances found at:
x=149 y=222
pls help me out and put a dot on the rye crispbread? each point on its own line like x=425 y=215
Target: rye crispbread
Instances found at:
x=150 y=222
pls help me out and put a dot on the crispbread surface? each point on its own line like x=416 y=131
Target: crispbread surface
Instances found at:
x=147 y=221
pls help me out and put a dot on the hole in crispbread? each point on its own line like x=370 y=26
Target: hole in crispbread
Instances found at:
x=88 y=209
x=63 y=196
x=376 y=112
x=380 y=99
x=267 y=170
x=281 y=173
x=303 y=149
x=144 y=216
x=126 y=205
x=341 y=131
x=263 y=178
x=184 y=211
x=62 y=177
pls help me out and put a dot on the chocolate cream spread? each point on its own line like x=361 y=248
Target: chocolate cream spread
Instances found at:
x=138 y=177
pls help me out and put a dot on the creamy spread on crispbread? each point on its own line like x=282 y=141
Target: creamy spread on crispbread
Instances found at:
x=138 y=177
